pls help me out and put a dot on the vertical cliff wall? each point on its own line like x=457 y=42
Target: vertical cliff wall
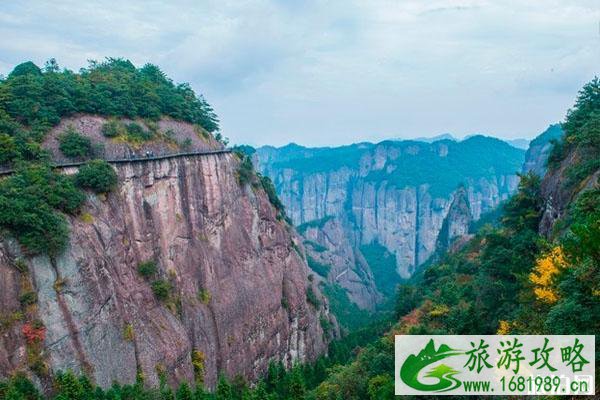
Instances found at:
x=396 y=194
x=539 y=150
x=237 y=283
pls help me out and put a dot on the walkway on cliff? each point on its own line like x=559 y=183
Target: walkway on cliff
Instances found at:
x=147 y=157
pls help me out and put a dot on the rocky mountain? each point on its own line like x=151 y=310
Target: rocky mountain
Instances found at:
x=387 y=199
x=539 y=150
x=457 y=221
x=227 y=288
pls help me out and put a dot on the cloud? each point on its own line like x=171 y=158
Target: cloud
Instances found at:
x=330 y=72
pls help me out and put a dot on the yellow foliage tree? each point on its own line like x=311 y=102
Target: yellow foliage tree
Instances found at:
x=503 y=328
x=546 y=269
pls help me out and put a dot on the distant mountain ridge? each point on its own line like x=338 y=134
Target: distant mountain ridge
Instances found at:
x=443 y=136
x=519 y=143
x=386 y=201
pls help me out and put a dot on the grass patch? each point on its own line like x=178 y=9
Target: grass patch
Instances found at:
x=321 y=269
x=204 y=296
x=311 y=297
x=317 y=223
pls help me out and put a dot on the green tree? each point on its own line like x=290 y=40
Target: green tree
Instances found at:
x=29 y=201
x=184 y=392
x=224 y=390
x=74 y=145
x=26 y=68
x=296 y=387
x=8 y=148
x=97 y=175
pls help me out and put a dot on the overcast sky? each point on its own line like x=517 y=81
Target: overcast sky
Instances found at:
x=335 y=72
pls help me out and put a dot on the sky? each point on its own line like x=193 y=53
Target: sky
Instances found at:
x=335 y=72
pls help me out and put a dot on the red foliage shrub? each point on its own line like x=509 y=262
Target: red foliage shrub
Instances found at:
x=34 y=332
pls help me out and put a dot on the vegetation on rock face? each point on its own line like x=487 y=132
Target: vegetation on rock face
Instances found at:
x=74 y=145
x=147 y=269
x=97 y=175
x=247 y=175
x=317 y=223
x=113 y=128
x=383 y=266
x=31 y=202
x=269 y=188
x=349 y=315
x=319 y=268
x=311 y=297
x=582 y=134
x=161 y=289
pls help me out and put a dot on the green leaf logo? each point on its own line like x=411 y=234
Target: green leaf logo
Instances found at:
x=412 y=366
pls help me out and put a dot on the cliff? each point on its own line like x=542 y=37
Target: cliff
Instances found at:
x=235 y=280
x=539 y=150
x=559 y=191
x=455 y=227
x=396 y=194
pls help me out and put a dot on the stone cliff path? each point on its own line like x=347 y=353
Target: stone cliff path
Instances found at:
x=134 y=159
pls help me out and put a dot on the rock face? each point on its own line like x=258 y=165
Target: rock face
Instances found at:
x=457 y=222
x=558 y=195
x=329 y=245
x=397 y=194
x=237 y=283
x=539 y=150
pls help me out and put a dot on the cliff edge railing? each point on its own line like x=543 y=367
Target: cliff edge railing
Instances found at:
x=147 y=157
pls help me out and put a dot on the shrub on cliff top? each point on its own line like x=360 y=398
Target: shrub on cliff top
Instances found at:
x=75 y=145
x=136 y=133
x=113 y=128
x=98 y=176
x=112 y=87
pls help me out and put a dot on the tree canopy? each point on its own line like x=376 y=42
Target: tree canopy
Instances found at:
x=34 y=99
